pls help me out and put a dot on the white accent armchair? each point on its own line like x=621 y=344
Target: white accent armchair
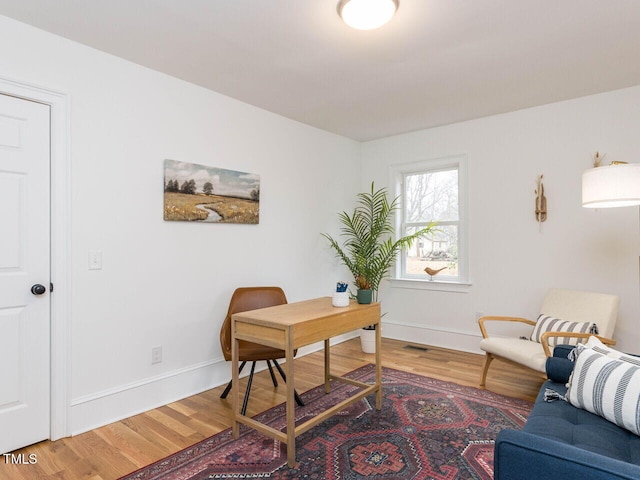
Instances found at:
x=569 y=305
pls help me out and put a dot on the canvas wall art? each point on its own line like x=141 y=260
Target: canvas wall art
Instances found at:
x=198 y=193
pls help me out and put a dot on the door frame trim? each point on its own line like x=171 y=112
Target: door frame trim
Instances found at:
x=60 y=204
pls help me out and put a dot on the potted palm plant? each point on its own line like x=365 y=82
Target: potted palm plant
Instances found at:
x=369 y=249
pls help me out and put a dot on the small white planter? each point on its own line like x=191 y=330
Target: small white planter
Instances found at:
x=340 y=299
x=368 y=340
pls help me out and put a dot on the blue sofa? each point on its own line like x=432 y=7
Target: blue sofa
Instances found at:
x=561 y=441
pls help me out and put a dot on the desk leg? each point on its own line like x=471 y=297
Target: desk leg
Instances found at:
x=291 y=404
x=235 y=381
x=327 y=364
x=379 y=365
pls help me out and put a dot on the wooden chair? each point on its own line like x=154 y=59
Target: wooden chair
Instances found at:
x=243 y=300
x=570 y=305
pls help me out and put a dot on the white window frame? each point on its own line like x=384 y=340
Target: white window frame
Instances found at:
x=460 y=283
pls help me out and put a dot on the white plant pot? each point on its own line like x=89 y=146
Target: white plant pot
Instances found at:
x=340 y=299
x=368 y=340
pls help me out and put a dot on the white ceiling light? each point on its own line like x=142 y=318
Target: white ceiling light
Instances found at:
x=612 y=186
x=367 y=14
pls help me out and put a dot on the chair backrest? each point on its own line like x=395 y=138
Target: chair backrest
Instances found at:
x=578 y=306
x=243 y=300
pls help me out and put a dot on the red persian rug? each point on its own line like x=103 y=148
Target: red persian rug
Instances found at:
x=427 y=429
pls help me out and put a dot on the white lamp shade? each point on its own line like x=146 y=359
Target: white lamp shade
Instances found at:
x=611 y=186
x=367 y=14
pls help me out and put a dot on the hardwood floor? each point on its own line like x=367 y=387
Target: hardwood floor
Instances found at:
x=122 y=447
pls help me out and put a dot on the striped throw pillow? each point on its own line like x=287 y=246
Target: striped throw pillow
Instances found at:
x=596 y=345
x=608 y=387
x=547 y=323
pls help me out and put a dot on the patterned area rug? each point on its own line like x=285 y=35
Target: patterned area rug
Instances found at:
x=427 y=429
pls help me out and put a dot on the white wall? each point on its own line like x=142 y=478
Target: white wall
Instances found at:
x=511 y=263
x=169 y=283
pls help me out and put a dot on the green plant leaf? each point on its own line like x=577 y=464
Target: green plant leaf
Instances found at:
x=368 y=249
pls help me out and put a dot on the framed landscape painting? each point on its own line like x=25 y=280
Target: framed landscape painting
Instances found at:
x=198 y=193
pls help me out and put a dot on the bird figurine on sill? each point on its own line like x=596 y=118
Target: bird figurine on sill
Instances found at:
x=431 y=272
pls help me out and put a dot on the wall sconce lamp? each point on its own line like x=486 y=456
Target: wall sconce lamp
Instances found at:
x=616 y=185
x=367 y=14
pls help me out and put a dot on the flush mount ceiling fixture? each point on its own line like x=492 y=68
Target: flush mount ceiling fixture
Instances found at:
x=367 y=14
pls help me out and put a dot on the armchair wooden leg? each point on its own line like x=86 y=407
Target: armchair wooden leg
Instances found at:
x=487 y=361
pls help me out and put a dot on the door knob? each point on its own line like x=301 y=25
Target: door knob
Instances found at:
x=38 y=289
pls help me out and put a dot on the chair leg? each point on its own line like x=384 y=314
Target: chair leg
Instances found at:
x=487 y=361
x=273 y=376
x=246 y=394
x=245 y=402
x=229 y=385
x=284 y=377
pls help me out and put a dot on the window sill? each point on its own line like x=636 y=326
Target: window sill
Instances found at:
x=435 y=285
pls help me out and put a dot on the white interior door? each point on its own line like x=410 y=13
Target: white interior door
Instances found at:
x=24 y=264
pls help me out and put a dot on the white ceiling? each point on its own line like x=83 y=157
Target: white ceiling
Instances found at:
x=437 y=62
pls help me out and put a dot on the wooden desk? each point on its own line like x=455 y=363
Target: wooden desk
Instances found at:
x=291 y=326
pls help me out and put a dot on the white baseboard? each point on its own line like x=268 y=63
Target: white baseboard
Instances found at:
x=463 y=340
x=102 y=408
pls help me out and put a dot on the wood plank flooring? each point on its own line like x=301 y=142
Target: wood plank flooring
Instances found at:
x=114 y=450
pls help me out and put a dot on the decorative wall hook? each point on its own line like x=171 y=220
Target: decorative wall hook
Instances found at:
x=598 y=158
x=541 y=203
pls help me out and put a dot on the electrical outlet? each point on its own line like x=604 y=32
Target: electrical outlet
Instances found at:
x=156 y=354
x=95 y=260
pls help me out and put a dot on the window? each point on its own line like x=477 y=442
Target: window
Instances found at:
x=433 y=191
